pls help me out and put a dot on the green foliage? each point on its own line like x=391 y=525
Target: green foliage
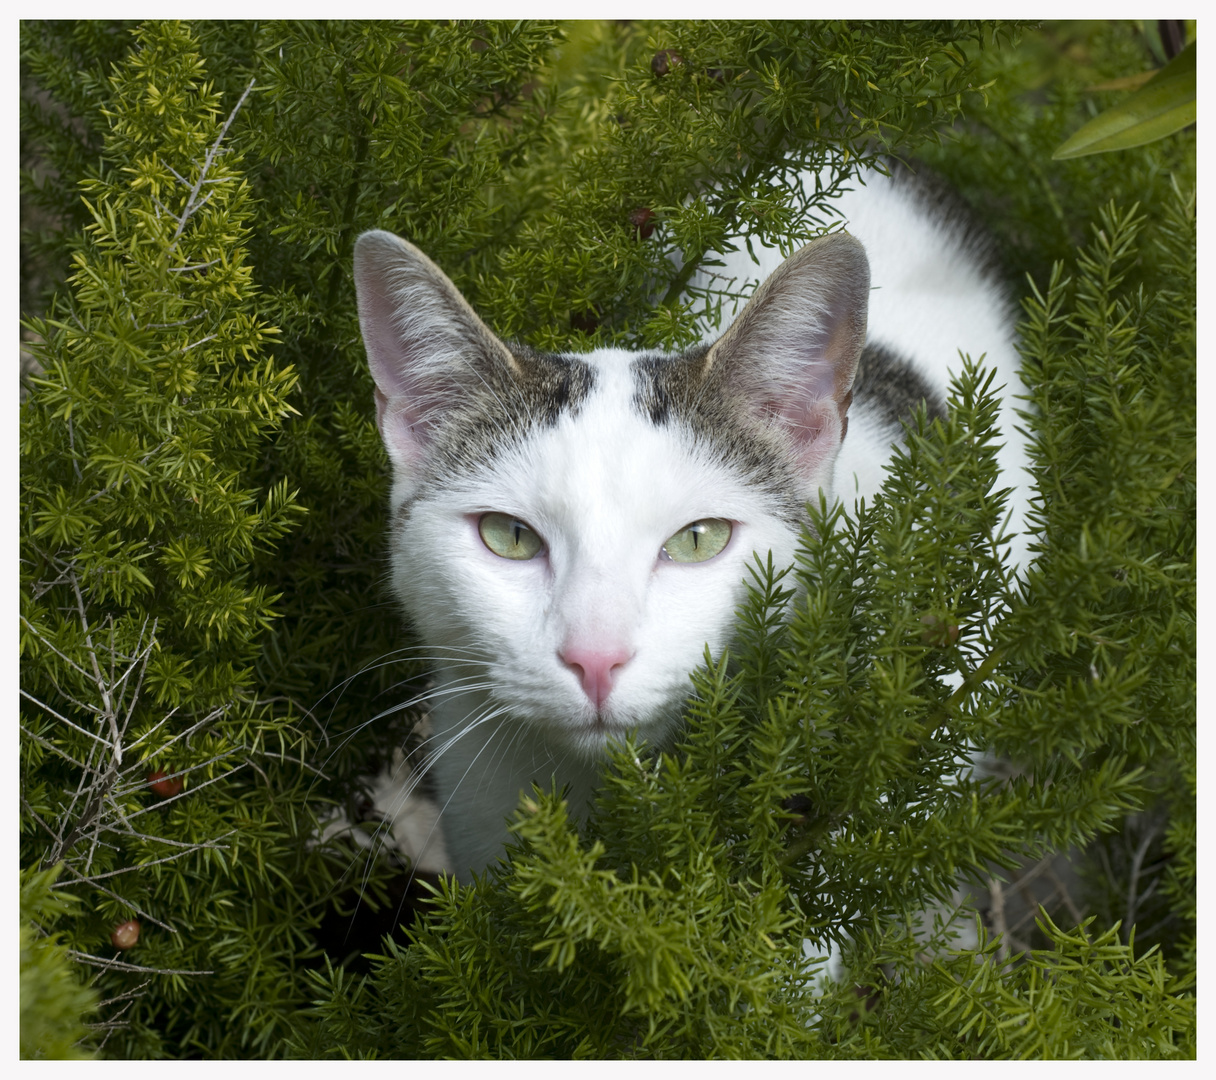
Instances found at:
x=52 y=999
x=1085 y=997
x=1000 y=158
x=1165 y=104
x=203 y=552
x=140 y=619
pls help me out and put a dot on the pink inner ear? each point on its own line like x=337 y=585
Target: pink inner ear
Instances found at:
x=401 y=438
x=381 y=405
x=397 y=429
x=817 y=430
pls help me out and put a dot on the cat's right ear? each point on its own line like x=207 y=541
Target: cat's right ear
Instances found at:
x=792 y=354
x=423 y=341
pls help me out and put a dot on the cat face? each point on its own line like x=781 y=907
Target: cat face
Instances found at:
x=571 y=532
x=598 y=601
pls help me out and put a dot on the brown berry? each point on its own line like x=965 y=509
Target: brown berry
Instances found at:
x=125 y=935
x=164 y=785
x=798 y=804
x=938 y=632
x=664 y=60
x=642 y=220
x=586 y=321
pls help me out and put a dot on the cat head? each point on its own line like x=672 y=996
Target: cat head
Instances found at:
x=572 y=531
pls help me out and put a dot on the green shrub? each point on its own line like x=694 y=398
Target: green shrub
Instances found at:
x=203 y=553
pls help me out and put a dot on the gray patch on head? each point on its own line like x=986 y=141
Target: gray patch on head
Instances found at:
x=888 y=388
x=678 y=391
x=497 y=407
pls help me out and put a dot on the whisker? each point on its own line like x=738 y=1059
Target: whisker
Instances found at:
x=384 y=828
x=493 y=714
x=457 y=686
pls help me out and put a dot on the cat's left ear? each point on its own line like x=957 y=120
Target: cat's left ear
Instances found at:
x=792 y=354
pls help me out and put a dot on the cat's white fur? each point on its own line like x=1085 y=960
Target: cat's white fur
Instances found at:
x=605 y=487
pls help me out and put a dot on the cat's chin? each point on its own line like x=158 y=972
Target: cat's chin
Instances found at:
x=591 y=736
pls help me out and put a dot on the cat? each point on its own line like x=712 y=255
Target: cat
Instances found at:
x=569 y=532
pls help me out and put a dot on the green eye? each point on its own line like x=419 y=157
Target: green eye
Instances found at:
x=699 y=541
x=509 y=537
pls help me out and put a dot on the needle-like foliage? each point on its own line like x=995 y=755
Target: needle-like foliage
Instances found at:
x=824 y=865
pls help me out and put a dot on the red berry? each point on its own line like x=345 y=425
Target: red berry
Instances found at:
x=125 y=935
x=164 y=785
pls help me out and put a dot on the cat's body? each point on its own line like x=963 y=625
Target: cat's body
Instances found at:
x=607 y=482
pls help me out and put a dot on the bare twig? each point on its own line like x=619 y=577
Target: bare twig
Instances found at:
x=156 y=727
x=1062 y=891
x=197 y=787
x=35 y=815
x=62 y=656
x=52 y=747
x=114 y=896
x=63 y=719
x=125 y=996
x=119 y=965
x=115 y=1022
x=92 y=808
x=99 y=680
x=1134 y=900
x=193 y=203
x=214 y=714
x=996 y=912
x=170 y=325
x=190 y=848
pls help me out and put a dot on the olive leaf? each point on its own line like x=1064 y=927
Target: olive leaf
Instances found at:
x=1162 y=106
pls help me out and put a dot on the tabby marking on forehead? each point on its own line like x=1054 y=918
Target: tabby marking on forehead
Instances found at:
x=685 y=391
x=503 y=407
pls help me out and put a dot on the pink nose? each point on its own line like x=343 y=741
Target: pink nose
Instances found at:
x=595 y=670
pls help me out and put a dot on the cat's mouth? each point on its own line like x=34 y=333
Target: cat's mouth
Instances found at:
x=607 y=726
x=592 y=734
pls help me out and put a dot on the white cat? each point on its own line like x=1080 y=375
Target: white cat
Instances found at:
x=569 y=532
